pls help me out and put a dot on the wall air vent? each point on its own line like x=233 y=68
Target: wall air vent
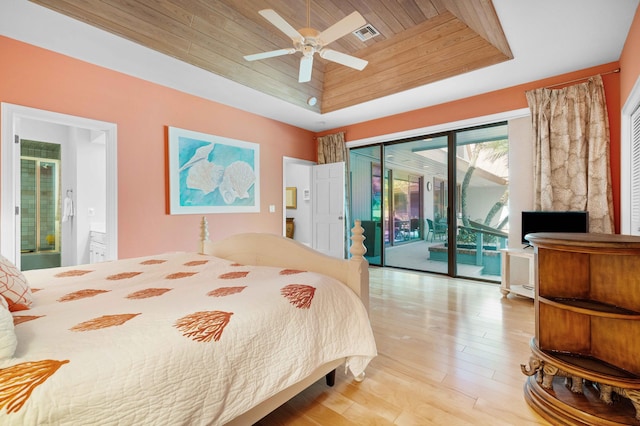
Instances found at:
x=366 y=33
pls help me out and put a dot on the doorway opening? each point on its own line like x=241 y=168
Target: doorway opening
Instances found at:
x=297 y=219
x=87 y=162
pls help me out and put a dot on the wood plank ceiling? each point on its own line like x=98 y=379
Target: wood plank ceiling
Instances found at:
x=420 y=41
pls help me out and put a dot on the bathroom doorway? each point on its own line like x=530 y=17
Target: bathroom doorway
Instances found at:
x=88 y=161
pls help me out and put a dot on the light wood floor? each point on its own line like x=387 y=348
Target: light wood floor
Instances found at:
x=449 y=353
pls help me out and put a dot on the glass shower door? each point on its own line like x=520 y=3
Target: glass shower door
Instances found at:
x=39 y=211
x=49 y=206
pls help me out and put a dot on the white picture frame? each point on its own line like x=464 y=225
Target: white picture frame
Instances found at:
x=212 y=174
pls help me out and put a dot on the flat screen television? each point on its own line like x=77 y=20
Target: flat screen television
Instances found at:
x=554 y=221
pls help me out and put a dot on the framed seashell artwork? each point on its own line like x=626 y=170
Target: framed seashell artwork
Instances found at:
x=212 y=174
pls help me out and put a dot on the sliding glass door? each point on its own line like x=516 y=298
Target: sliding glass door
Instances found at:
x=400 y=193
x=416 y=204
x=366 y=198
x=436 y=203
x=483 y=223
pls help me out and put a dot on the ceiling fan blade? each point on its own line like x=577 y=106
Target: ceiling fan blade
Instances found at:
x=341 y=28
x=279 y=22
x=343 y=59
x=306 y=66
x=271 y=54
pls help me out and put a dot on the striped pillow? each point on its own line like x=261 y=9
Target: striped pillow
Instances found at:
x=8 y=339
x=14 y=286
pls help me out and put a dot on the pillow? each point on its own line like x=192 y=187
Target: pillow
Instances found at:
x=14 y=286
x=8 y=339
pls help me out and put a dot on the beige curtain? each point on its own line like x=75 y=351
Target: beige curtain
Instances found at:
x=332 y=149
x=572 y=169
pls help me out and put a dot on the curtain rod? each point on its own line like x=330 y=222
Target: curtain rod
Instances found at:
x=617 y=70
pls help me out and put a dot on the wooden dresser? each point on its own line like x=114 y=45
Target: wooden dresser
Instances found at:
x=585 y=362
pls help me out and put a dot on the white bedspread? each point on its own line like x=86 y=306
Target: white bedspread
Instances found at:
x=174 y=339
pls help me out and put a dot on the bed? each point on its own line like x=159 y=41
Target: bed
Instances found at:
x=220 y=336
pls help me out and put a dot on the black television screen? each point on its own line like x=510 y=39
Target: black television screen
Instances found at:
x=554 y=221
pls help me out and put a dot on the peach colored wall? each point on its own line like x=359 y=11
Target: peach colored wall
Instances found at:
x=630 y=60
x=508 y=99
x=38 y=78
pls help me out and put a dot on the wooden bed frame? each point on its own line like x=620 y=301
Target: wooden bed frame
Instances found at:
x=275 y=250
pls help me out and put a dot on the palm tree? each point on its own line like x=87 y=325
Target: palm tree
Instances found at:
x=495 y=151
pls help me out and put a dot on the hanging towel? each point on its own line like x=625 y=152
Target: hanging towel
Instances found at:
x=67 y=209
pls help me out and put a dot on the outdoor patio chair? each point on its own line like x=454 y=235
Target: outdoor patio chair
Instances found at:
x=435 y=231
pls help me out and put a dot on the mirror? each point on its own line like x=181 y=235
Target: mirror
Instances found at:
x=292 y=197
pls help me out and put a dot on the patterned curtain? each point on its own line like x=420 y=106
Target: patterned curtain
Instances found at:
x=572 y=169
x=332 y=149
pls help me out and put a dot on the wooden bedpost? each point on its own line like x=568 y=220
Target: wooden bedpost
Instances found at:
x=357 y=248
x=204 y=234
x=358 y=265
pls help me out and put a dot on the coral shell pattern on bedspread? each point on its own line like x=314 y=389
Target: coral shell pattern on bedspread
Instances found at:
x=180 y=338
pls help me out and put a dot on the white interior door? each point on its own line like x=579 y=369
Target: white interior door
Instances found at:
x=328 y=209
x=635 y=172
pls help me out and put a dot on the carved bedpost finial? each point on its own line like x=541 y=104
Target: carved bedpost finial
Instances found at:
x=358 y=248
x=204 y=229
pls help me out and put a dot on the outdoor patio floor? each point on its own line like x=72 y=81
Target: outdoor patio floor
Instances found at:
x=415 y=255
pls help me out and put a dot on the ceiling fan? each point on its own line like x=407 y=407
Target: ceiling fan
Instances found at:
x=309 y=41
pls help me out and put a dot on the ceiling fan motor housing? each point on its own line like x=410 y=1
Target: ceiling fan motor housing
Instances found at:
x=310 y=43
